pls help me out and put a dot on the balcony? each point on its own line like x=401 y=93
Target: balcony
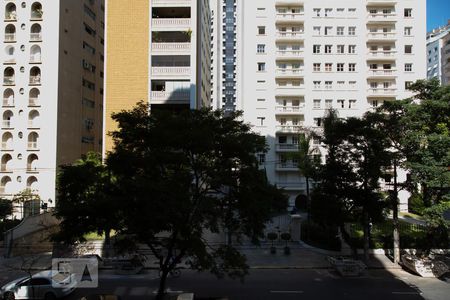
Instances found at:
x=289 y=36
x=382 y=92
x=171 y=3
x=382 y=54
x=35 y=37
x=169 y=72
x=290 y=54
x=35 y=80
x=160 y=97
x=33 y=125
x=168 y=24
x=382 y=2
x=10 y=16
x=10 y=37
x=290 y=17
x=289 y=110
x=32 y=146
x=169 y=48
x=289 y=73
x=291 y=186
x=8 y=102
x=286 y=147
x=382 y=73
x=289 y=90
x=381 y=18
x=33 y=102
x=290 y=128
x=288 y=166
x=6 y=124
x=8 y=80
x=7 y=146
x=382 y=36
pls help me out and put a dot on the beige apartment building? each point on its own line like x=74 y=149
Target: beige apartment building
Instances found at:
x=157 y=51
x=52 y=90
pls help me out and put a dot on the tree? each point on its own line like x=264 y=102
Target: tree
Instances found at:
x=183 y=175
x=306 y=163
x=6 y=209
x=86 y=200
x=29 y=202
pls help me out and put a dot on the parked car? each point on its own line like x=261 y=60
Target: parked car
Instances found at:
x=41 y=285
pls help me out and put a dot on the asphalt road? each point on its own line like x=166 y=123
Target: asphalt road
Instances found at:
x=264 y=284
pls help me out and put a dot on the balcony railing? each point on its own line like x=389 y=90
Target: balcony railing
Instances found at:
x=390 y=72
x=290 y=52
x=8 y=102
x=175 y=47
x=382 y=53
x=8 y=80
x=289 y=72
x=291 y=185
x=290 y=128
x=289 y=109
x=32 y=145
x=382 y=17
x=36 y=37
x=35 y=59
x=292 y=34
x=11 y=16
x=382 y=91
x=10 y=37
x=35 y=80
x=36 y=15
x=33 y=124
x=6 y=124
x=287 y=165
x=33 y=101
x=171 y=22
x=290 y=16
x=6 y=146
x=171 y=71
x=163 y=95
x=287 y=147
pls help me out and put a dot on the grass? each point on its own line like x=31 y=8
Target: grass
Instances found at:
x=411 y=215
x=94 y=236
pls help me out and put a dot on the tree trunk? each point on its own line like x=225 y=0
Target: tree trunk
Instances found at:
x=395 y=223
x=366 y=235
x=107 y=246
x=308 y=201
x=162 y=284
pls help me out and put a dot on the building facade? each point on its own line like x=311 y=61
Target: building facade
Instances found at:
x=167 y=52
x=52 y=90
x=438 y=53
x=300 y=58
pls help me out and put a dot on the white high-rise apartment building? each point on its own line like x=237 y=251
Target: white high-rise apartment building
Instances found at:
x=299 y=58
x=52 y=85
x=438 y=51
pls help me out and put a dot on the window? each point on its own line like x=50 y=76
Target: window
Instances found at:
x=328 y=103
x=328 y=49
x=88 y=84
x=408 y=49
x=316 y=67
x=352 y=10
x=374 y=103
x=317 y=85
x=328 y=67
x=352 y=84
x=408 y=67
x=261 y=48
x=351 y=49
x=316 y=12
x=89 y=12
x=316 y=49
x=408 y=31
x=328 y=85
x=328 y=12
x=261 y=67
x=351 y=104
x=316 y=104
x=89 y=30
x=340 y=85
x=261 y=121
x=328 y=30
x=352 y=31
x=261 y=30
x=340 y=31
x=341 y=103
x=340 y=67
x=340 y=49
x=352 y=67
x=262 y=159
x=408 y=84
x=88 y=48
x=318 y=122
x=408 y=12
x=316 y=30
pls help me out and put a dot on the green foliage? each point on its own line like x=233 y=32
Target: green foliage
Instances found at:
x=6 y=209
x=416 y=204
x=321 y=236
x=86 y=200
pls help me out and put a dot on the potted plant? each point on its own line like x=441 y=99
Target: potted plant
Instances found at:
x=286 y=236
x=272 y=236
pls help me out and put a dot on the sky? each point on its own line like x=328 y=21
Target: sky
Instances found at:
x=438 y=12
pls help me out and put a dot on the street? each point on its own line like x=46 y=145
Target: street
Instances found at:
x=270 y=284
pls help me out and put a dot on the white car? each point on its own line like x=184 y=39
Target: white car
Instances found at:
x=41 y=285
